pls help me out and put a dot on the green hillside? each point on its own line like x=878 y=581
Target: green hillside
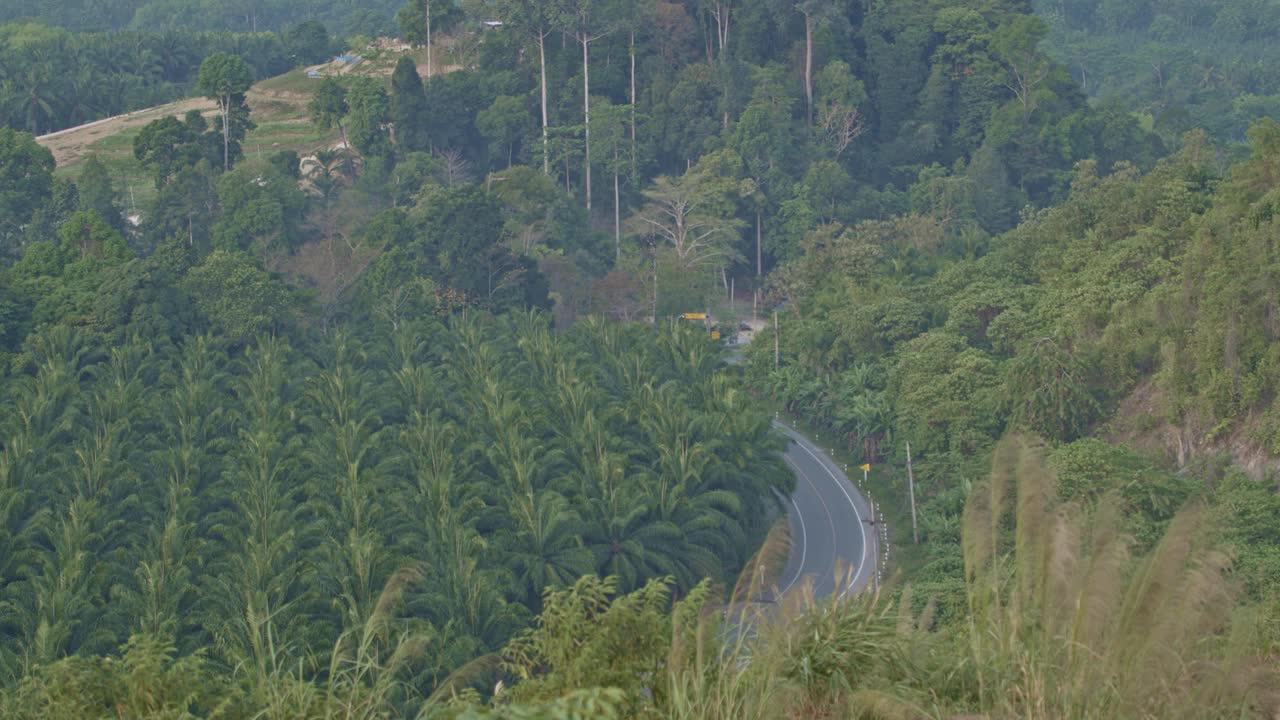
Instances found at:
x=380 y=394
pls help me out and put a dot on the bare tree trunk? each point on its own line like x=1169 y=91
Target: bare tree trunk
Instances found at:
x=759 y=254
x=428 y=39
x=721 y=14
x=725 y=43
x=808 y=69
x=722 y=37
x=911 y=485
x=633 y=102
x=226 y=134
x=719 y=31
x=711 y=56
x=586 y=117
x=617 y=212
x=542 y=68
x=655 y=286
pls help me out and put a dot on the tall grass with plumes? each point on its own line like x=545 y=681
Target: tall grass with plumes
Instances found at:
x=1071 y=625
x=1065 y=623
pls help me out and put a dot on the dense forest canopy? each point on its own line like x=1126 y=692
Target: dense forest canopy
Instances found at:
x=1205 y=65
x=51 y=79
x=364 y=393
x=246 y=16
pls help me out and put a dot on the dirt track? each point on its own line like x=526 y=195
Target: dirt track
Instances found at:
x=70 y=144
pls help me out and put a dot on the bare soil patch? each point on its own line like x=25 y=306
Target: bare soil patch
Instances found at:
x=71 y=145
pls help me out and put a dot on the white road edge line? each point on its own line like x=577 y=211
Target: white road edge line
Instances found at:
x=866 y=549
x=804 y=549
x=826 y=510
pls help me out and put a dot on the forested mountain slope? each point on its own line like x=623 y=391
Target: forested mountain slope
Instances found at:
x=250 y=16
x=298 y=439
x=1182 y=65
x=1140 y=309
x=52 y=79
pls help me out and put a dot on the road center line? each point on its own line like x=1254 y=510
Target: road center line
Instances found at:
x=866 y=549
x=826 y=509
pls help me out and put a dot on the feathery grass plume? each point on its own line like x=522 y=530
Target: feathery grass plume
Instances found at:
x=1035 y=485
x=1178 y=602
x=362 y=676
x=1158 y=574
x=906 y=619
x=981 y=527
x=804 y=658
x=1062 y=567
x=840 y=646
x=1098 y=591
x=694 y=624
x=924 y=622
x=729 y=675
x=465 y=677
x=879 y=705
x=1159 y=640
x=762 y=571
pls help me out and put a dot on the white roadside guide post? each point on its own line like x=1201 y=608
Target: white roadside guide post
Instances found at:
x=871 y=504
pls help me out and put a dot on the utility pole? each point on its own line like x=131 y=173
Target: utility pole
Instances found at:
x=911 y=485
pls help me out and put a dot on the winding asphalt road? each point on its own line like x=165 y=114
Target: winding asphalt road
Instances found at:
x=828 y=532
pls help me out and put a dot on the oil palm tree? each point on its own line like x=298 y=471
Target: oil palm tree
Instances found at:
x=346 y=476
x=62 y=600
x=257 y=586
x=629 y=542
x=545 y=547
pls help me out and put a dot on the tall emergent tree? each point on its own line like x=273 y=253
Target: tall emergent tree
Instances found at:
x=97 y=193
x=408 y=107
x=421 y=18
x=329 y=106
x=590 y=22
x=692 y=214
x=537 y=19
x=369 y=110
x=504 y=123
x=225 y=79
x=26 y=179
x=815 y=12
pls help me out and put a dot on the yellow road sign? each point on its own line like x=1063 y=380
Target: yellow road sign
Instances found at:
x=694 y=316
x=865 y=468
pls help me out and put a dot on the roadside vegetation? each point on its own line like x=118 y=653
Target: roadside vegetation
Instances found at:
x=367 y=394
